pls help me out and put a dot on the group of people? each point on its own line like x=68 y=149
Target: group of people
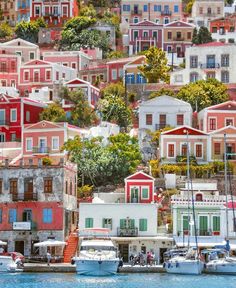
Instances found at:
x=139 y=259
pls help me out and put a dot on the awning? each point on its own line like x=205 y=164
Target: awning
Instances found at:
x=50 y=243
x=3 y=243
x=154 y=238
x=202 y=241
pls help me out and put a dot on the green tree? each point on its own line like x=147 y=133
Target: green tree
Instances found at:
x=114 y=109
x=116 y=55
x=201 y=36
x=29 y=30
x=203 y=93
x=188 y=6
x=88 y=11
x=116 y=89
x=53 y=113
x=155 y=69
x=82 y=114
x=5 y=30
x=162 y=91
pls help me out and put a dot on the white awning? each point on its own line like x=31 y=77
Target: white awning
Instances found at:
x=50 y=243
x=3 y=243
x=208 y=241
x=152 y=238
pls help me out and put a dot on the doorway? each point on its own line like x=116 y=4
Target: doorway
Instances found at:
x=134 y=195
x=162 y=251
x=124 y=252
x=20 y=247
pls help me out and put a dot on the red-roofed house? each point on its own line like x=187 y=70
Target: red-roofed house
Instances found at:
x=217 y=116
x=173 y=143
x=139 y=188
x=45 y=139
x=143 y=35
x=92 y=93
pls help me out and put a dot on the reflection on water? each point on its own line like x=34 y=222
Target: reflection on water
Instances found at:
x=58 y=280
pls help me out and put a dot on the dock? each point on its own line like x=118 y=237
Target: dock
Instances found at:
x=69 y=268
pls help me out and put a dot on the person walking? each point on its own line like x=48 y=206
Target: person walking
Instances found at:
x=48 y=258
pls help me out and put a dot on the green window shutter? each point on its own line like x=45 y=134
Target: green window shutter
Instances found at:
x=88 y=222
x=142 y=224
x=132 y=223
x=145 y=193
x=203 y=223
x=122 y=223
x=91 y=223
x=185 y=223
x=216 y=223
x=103 y=223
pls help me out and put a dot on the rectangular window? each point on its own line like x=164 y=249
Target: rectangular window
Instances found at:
x=57 y=75
x=184 y=150
x=0 y=186
x=13 y=115
x=47 y=215
x=159 y=8
x=198 y=151
x=229 y=121
x=145 y=193
x=26 y=76
x=217 y=148
x=107 y=223
x=185 y=223
x=148 y=119
x=55 y=143
x=171 y=150
x=29 y=144
x=189 y=35
x=27 y=116
x=216 y=223
x=193 y=61
x=13 y=66
x=13 y=186
x=0 y=215
x=126 y=8
x=155 y=8
x=212 y=124
x=48 y=74
x=180 y=119
x=225 y=76
x=142 y=224
x=203 y=225
x=145 y=8
x=114 y=74
x=176 y=8
x=88 y=222
x=12 y=215
x=31 y=56
x=47 y=185
x=169 y=35
x=225 y=60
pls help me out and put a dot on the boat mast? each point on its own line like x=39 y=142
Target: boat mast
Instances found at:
x=188 y=187
x=226 y=191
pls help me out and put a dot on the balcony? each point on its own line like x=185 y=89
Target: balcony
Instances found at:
x=136 y=12
x=127 y=232
x=41 y=150
x=210 y=66
x=27 y=196
x=4 y=122
x=178 y=39
x=166 y=13
x=161 y=126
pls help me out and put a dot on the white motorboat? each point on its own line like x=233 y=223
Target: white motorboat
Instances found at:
x=7 y=264
x=97 y=257
x=189 y=264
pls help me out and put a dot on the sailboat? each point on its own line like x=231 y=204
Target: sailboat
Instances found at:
x=222 y=262
x=191 y=262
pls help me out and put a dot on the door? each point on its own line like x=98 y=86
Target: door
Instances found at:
x=27 y=215
x=42 y=145
x=134 y=195
x=20 y=247
x=28 y=189
x=162 y=251
x=2 y=117
x=2 y=137
x=124 y=252
x=36 y=76
x=211 y=61
x=203 y=225
x=162 y=120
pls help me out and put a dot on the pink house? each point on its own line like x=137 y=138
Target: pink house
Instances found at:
x=73 y=59
x=45 y=139
x=9 y=69
x=92 y=93
x=38 y=74
x=173 y=143
x=26 y=50
x=139 y=188
x=143 y=35
x=218 y=116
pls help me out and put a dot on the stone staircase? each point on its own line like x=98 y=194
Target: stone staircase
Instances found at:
x=71 y=247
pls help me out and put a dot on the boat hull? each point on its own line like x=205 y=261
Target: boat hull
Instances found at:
x=7 y=264
x=193 y=267
x=223 y=267
x=96 y=267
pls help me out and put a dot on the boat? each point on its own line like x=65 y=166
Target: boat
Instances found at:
x=7 y=264
x=98 y=255
x=218 y=262
x=191 y=262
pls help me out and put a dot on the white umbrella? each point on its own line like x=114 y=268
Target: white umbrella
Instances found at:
x=3 y=243
x=50 y=243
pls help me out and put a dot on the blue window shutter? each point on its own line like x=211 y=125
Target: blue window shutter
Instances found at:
x=155 y=8
x=132 y=79
x=12 y=215
x=45 y=215
x=176 y=8
x=144 y=80
x=145 y=8
x=49 y=215
x=138 y=78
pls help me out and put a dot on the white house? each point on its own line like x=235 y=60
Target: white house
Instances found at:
x=161 y=112
x=133 y=227
x=204 y=61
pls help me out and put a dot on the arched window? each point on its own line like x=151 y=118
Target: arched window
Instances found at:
x=199 y=197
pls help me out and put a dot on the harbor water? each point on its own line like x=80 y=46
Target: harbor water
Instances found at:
x=154 y=280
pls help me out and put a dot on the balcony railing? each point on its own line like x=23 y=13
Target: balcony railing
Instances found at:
x=136 y=12
x=166 y=13
x=161 y=126
x=27 y=196
x=4 y=123
x=207 y=232
x=41 y=150
x=178 y=39
x=210 y=65
x=127 y=232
